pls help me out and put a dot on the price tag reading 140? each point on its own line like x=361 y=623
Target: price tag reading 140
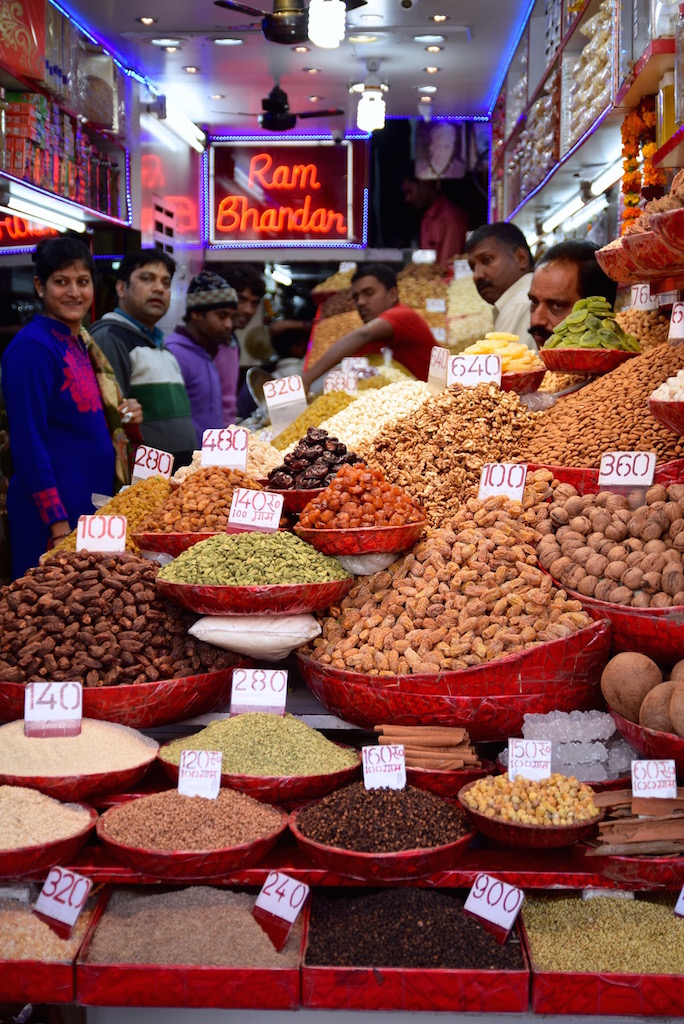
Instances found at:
x=151 y=462
x=627 y=469
x=225 y=447
x=278 y=905
x=258 y=689
x=494 y=901
x=101 y=533
x=255 y=510
x=502 y=478
x=654 y=779
x=61 y=899
x=53 y=709
x=384 y=766
x=473 y=370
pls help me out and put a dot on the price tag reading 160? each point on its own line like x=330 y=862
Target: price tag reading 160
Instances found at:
x=258 y=689
x=62 y=898
x=53 y=709
x=494 y=901
x=384 y=766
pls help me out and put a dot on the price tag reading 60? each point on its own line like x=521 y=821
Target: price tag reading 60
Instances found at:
x=151 y=462
x=62 y=898
x=101 y=533
x=53 y=709
x=654 y=779
x=255 y=510
x=494 y=901
x=258 y=689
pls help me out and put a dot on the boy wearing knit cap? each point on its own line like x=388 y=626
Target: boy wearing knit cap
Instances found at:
x=208 y=323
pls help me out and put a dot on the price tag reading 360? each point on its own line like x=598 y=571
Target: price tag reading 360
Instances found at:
x=255 y=510
x=494 y=901
x=384 y=766
x=53 y=709
x=654 y=779
x=278 y=905
x=151 y=462
x=529 y=758
x=199 y=773
x=258 y=689
x=225 y=447
x=473 y=370
x=502 y=478
x=627 y=469
x=61 y=899
x=101 y=533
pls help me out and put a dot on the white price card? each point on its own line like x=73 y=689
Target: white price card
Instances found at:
x=641 y=297
x=461 y=268
x=439 y=334
x=258 y=689
x=439 y=357
x=494 y=901
x=435 y=305
x=101 y=533
x=255 y=510
x=384 y=766
x=529 y=758
x=473 y=370
x=225 y=447
x=502 y=478
x=676 y=333
x=285 y=400
x=61 y=899
x=53 y=709
x=199 y=773
x=278 y=905
x=667 y=298
x=679 y=905
x=626 y=469
x=654 y=779
x=354 y=363
x=341 y=380
x=151 y=462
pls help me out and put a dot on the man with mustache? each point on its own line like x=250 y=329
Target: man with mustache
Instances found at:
x=502 y=265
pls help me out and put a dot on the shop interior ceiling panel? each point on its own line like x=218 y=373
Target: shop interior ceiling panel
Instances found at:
x=479 y=37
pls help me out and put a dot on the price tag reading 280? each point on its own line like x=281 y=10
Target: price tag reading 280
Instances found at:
x=255 y=510
x=101 y=533
x=225 y=447
x=627 y=469
x=258 y=689
x=502 y=478
x=473 y=370
x=53 y=709
x=61 y=899
x=494 y=901
x=151 y=462
x=278 y=905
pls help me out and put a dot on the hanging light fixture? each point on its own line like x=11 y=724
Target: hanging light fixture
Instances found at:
x=370 y=113
x=326 y=23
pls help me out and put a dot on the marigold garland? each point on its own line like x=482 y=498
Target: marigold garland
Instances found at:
x=638 y=135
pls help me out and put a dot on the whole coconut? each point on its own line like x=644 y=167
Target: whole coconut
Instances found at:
x=626 y=680
x=654 y=712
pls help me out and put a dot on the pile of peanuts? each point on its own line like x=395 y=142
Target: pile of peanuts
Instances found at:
x=374 y=410
x=611 y=414
x=555 y=382
x=601 y=548
x=419 y=282
x=557 y=800
x=468 y=594
x=650 y=327
x=337 y=282
x=360 y=497
x=261 y=457
x=438 y=452
x=201 y=504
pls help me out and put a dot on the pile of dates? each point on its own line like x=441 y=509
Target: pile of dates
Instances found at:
x=313 y=463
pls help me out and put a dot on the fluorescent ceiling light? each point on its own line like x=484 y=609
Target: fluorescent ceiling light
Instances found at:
x=591 y=209
x=565 y=211
x=326 y=23
x=165 y=42
x=427 y=88
x=186 y=129
x=370 y=113
x=428 y=39
x=228 y=42
x=607 y=178
x=40 y=215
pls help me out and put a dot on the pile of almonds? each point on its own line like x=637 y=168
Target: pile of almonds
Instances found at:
x=601 y=548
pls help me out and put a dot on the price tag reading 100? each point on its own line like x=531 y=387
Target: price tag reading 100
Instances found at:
x=61 y=899
x=101 y=533
x=278 y=905
x=502 y=478
x=258 y=689
x=225 y=447
x=53 y=709
x=494 y=901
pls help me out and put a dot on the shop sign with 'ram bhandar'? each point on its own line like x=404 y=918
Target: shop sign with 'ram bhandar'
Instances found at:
x=285 y=194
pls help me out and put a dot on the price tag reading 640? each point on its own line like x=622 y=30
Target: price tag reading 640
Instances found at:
x=258 y=689
x=53 y=709
x=473 y=370
x=61 y=899
x=494 y=901
x=255 y=510
x=278 y=905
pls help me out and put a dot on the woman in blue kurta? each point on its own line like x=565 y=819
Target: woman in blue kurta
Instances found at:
x=62 y=451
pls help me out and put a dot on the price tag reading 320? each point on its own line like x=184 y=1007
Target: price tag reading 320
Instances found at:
x=255 y=510
x=502 y=478
x=494 y=901
x=258 y=689
x=529 y=758
x=384 y=766
x=199 y=773
x=53 y=709
x=101 y=533
x=278 y=905
x=225 y=447
x=654 y=779
x=61 y=899
x=285 y=400
x=151 y=462
x=627 y=469
x=473 y=370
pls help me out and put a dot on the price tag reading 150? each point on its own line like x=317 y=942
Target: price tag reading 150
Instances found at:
x=258 y=689
x=384 y=766
x=502 y=478
x=529 y=758
x=61 y=899
x=473 y=370
x=53 y=709
x=494 y=901
x=101 y=533
x=278 y=905
x=654 y=779
x=225 y=447
x=627 y=469
x=255 y=510
x=151 y=462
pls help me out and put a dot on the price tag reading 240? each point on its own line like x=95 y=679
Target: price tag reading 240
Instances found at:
x=151 y=462
x=61 y=899
x=502 y=478
x=529 y=758
x=255 y=510
x=473 y=370
x=278 y=905
x=225 y=447
x=654 y=779
x=627 y=469
x=494 y=901
x=258 y=689
x=384 y=766
x=53 y=709
x=101 y=533
x=199 y=773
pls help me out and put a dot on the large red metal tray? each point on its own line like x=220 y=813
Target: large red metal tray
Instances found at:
x=670 y=226
x=294 y=500
x=524 y=382
x=653 y=254
x=381 y=867
x=29 y=860
x=141 y=705
x=447 y=783
x=183 y=865
x=188 y=986
x=169 y=543
x=651 y=744
x=290 y=598
x=670 y=414
x=364 y=540
x=531 y=837
x=407 y=988
x=584 y=360
x=82 y=787
x=489 y=700
x=279 y=789
x=619 y=265
x=638 y=872
x=585 y=480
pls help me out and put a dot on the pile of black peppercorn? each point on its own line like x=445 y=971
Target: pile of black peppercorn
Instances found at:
x=313 y=463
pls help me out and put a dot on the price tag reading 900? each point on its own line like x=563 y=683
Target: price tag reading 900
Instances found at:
x=494 y=901
x=654 y=779
x=255 y=510
x=258 y=689
x=101 y=533
x=641 y=297
x=283 y=391
x=384 y=766
x=627 y=469
x=199 y=773
x=225 y=447
x=529 y=758
x=473 y=370
x=278 y=905
x=502 y=478
x=676 y=333
x=53 y=709
x=61 y=899
x=151 y=462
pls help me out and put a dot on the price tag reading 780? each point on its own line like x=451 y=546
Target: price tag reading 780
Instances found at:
x=473 y=370
x=255 y=510
x=494 y=901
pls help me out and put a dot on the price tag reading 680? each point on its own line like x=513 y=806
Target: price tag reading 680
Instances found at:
x=278 y=905
x=61 y=899
x=258 y=689
x=494 y=901
x=255 y=510
x=53 y=709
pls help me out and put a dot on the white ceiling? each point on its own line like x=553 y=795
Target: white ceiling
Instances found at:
x=479 y=37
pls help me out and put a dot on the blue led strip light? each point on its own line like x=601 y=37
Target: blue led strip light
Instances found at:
x=101 y=42
x=520 y=28
x=14 y=250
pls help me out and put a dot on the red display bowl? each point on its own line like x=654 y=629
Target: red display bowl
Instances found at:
x=669 y=225
x=670 y=414
x=634 y=871
x=381 y=867
x=141 y=705
x=446 y=783
x=652 y=254
x=169 y=543
x=533 y=837
x=364 y=540
x=489 y=700
x=273 y=789
x=592 y=361
x=190 y=864
x=524 y=382
x=295 y=501
x=651 y=744
x=82 y=787
x=606 y=785
x=30 y=860
x=619 y=265
x=289 y=598
x=585 y=480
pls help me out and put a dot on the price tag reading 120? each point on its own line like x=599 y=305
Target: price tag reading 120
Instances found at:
x=278 y=905
x=255 y=510
x=225 y=447
x=384 y=766
x=199 y=773
x=258 y=689
x=53 y=709
x=627 y=469
x=101 y=533
x=473 y=370
x=151 y=462
x=61 y=899
x=494 y=901
x=654 y=779
x=502 y=478
x=529 y=758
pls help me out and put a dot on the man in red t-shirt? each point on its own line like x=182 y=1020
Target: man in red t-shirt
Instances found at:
x=386 y=324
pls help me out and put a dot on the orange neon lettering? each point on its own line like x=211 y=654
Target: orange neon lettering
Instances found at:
x=300 y=176
x=236 y=216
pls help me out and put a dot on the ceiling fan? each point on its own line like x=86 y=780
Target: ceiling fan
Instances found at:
x=288 y=21
x=277 y=116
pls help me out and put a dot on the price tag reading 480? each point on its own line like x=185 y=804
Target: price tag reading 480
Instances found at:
x=494 y=901
x=258 y=689
x=61 y=899
x=502 y=478
x=53 y=709
x=384 y=766
x=226 y=447
x=255 y=510
x=473 y=370
x=278 y=905
x=151 y=462
x=101 y=533
x=627 y=469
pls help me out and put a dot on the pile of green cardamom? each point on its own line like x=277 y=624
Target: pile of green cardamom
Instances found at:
x=252 y=559
x=592 y=324
x=258 y=743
